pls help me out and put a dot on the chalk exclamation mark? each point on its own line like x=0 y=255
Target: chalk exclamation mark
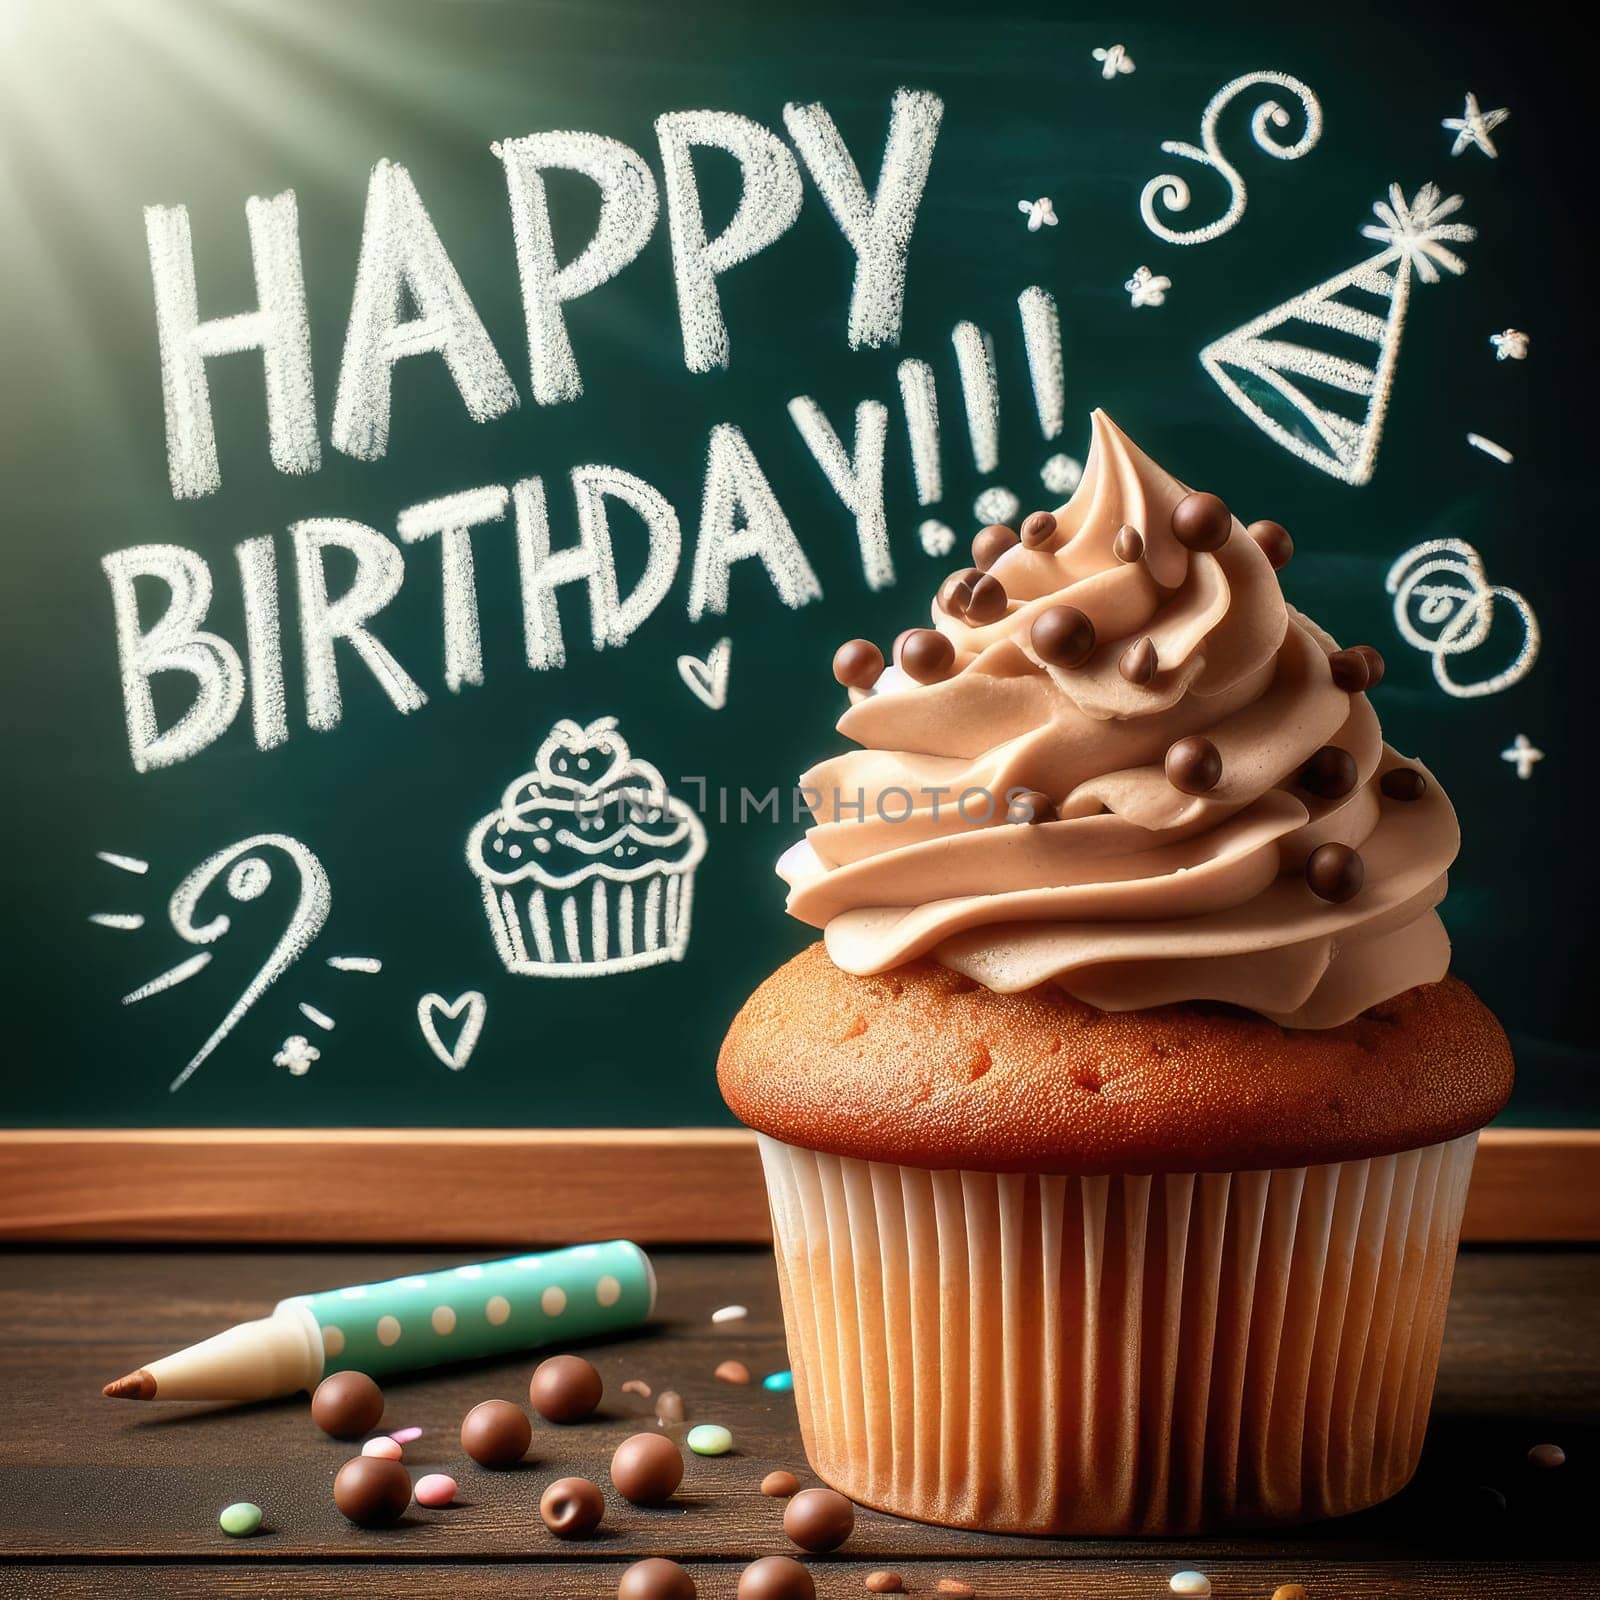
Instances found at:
x=922 y=429
x=980 y=395
x=1041 y=336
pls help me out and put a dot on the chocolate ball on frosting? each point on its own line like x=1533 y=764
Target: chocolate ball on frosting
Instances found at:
x=347 y=1405
x=990 y=543
x=647 y=1468
x=372 y=1492
x=496 y=1433
x=1062 y=636
x=1128 y=546
x=1201 y=522
x=953 y=592
x=819 y=1520
x=1138 y=663
x=1330 y=773
x=1375 y=667
x=565 y=1389
x=1030 y=807
x=571 y=1508
x=1194 y=765
x=656 y=1578
x=927 y=655
x=1350 y=671
x=1038 y=529
x=858 y=664
x=1335 y=872
x=776 y=1578
x=1276 y=545
x=1403 y=783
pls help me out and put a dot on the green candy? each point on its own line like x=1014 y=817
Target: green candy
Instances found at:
x=710 y=1440
x=240 y=1519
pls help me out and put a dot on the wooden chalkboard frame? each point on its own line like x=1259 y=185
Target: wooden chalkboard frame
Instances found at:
x=532 y=1186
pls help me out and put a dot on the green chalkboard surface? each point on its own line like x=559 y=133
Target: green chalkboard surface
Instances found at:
x=261 y=685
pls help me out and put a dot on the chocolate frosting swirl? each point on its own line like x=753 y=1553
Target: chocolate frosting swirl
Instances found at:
x=1137 y=893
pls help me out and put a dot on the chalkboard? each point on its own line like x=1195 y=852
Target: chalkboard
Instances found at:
x=326 y=809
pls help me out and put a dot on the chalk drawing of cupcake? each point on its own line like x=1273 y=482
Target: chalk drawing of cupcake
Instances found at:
x=587 y=865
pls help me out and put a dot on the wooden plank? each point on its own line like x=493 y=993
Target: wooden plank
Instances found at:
x=522 y=1186
x=594 y=1578
x=82 y=1478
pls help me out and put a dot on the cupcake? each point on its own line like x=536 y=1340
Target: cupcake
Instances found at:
x=1118 y=1131
x=587 y=864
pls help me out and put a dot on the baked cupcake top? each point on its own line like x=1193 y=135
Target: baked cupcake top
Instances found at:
x=1120 y=763
x=588 y=809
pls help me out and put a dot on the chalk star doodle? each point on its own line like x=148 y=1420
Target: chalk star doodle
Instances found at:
x=1473 y=127
x=1170 y=188
x=1522 y=754
x=1510 y=345
x=1041 y=212
x=1256 y=366
x=1440 y=586
x=1147 y=288
x=297 y=1055
x=1113 y=59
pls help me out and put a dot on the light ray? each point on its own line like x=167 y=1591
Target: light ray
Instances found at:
x=168 y=980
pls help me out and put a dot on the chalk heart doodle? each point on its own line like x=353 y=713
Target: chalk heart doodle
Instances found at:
x=587 y=865
x=1321 y=404
x=707 y=680
x=1171 y=189
x=1445 y=606
x=432 y=1006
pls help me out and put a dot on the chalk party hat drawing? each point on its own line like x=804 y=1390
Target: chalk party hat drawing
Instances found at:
x=587 y=865
x=1267 y=366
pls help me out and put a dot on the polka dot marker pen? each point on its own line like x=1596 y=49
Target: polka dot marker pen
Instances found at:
x=405 y=1323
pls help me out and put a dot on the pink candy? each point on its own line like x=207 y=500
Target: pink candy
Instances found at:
x=405 y=1435
x=437 y=1489
x=385 y=1448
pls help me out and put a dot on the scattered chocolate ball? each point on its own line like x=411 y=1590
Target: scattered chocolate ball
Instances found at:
x=1201 y=522
x=669 y=1406
x=1375 y=666
x=346 y=1405
x=819 y=1520
x=882 y=1582
x=1128 y=545
x=1290 y=1591
x=1547 y=1457
x=656 y=1578
x=1276 y=545
x=647 y=1468
x=927 y=655
x=780 y=1485
x=572 y=1508
x=776 y=1578
x=990 y=543
x=1030 y=807
x=1330 y=773
x=1193 y=765
x=1062 y=636
x=565 y=1389
x=1038 y=529
x=857 y=663
x=954 y=591
x=1403 y=783
x=732 y=1372
x=1335 y=873
x=1138 y=664
x=1350 y=671
x=496 y=1433
x=371 y=1492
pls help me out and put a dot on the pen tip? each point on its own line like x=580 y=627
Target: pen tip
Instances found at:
x=136 y=1386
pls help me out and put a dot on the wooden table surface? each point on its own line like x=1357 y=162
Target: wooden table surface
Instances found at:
x=86 y=1482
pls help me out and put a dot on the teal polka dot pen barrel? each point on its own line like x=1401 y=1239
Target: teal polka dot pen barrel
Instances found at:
x=494 y=1308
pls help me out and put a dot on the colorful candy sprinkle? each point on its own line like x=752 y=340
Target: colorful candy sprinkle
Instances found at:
x=636 y=1386
x=709 y=1440
x=884 y=1582
x=384 y=1448
x=1547 y=1456
x=732 y=1372
x=730 y=1314
x=240 y=1519
x=405 y=1435
x=437 y=1489
x=1195 y=1583
x=779 y=1382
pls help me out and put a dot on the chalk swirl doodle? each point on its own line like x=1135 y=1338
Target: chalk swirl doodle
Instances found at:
x=1444 y=605
x=1171 y=189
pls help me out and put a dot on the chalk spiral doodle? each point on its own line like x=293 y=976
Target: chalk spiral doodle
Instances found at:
x=246 y=874
x=1173 y=191
x=1444 y=605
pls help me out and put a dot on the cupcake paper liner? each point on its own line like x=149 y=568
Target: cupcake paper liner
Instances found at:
x=1115 y=1355
x=598 y=926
